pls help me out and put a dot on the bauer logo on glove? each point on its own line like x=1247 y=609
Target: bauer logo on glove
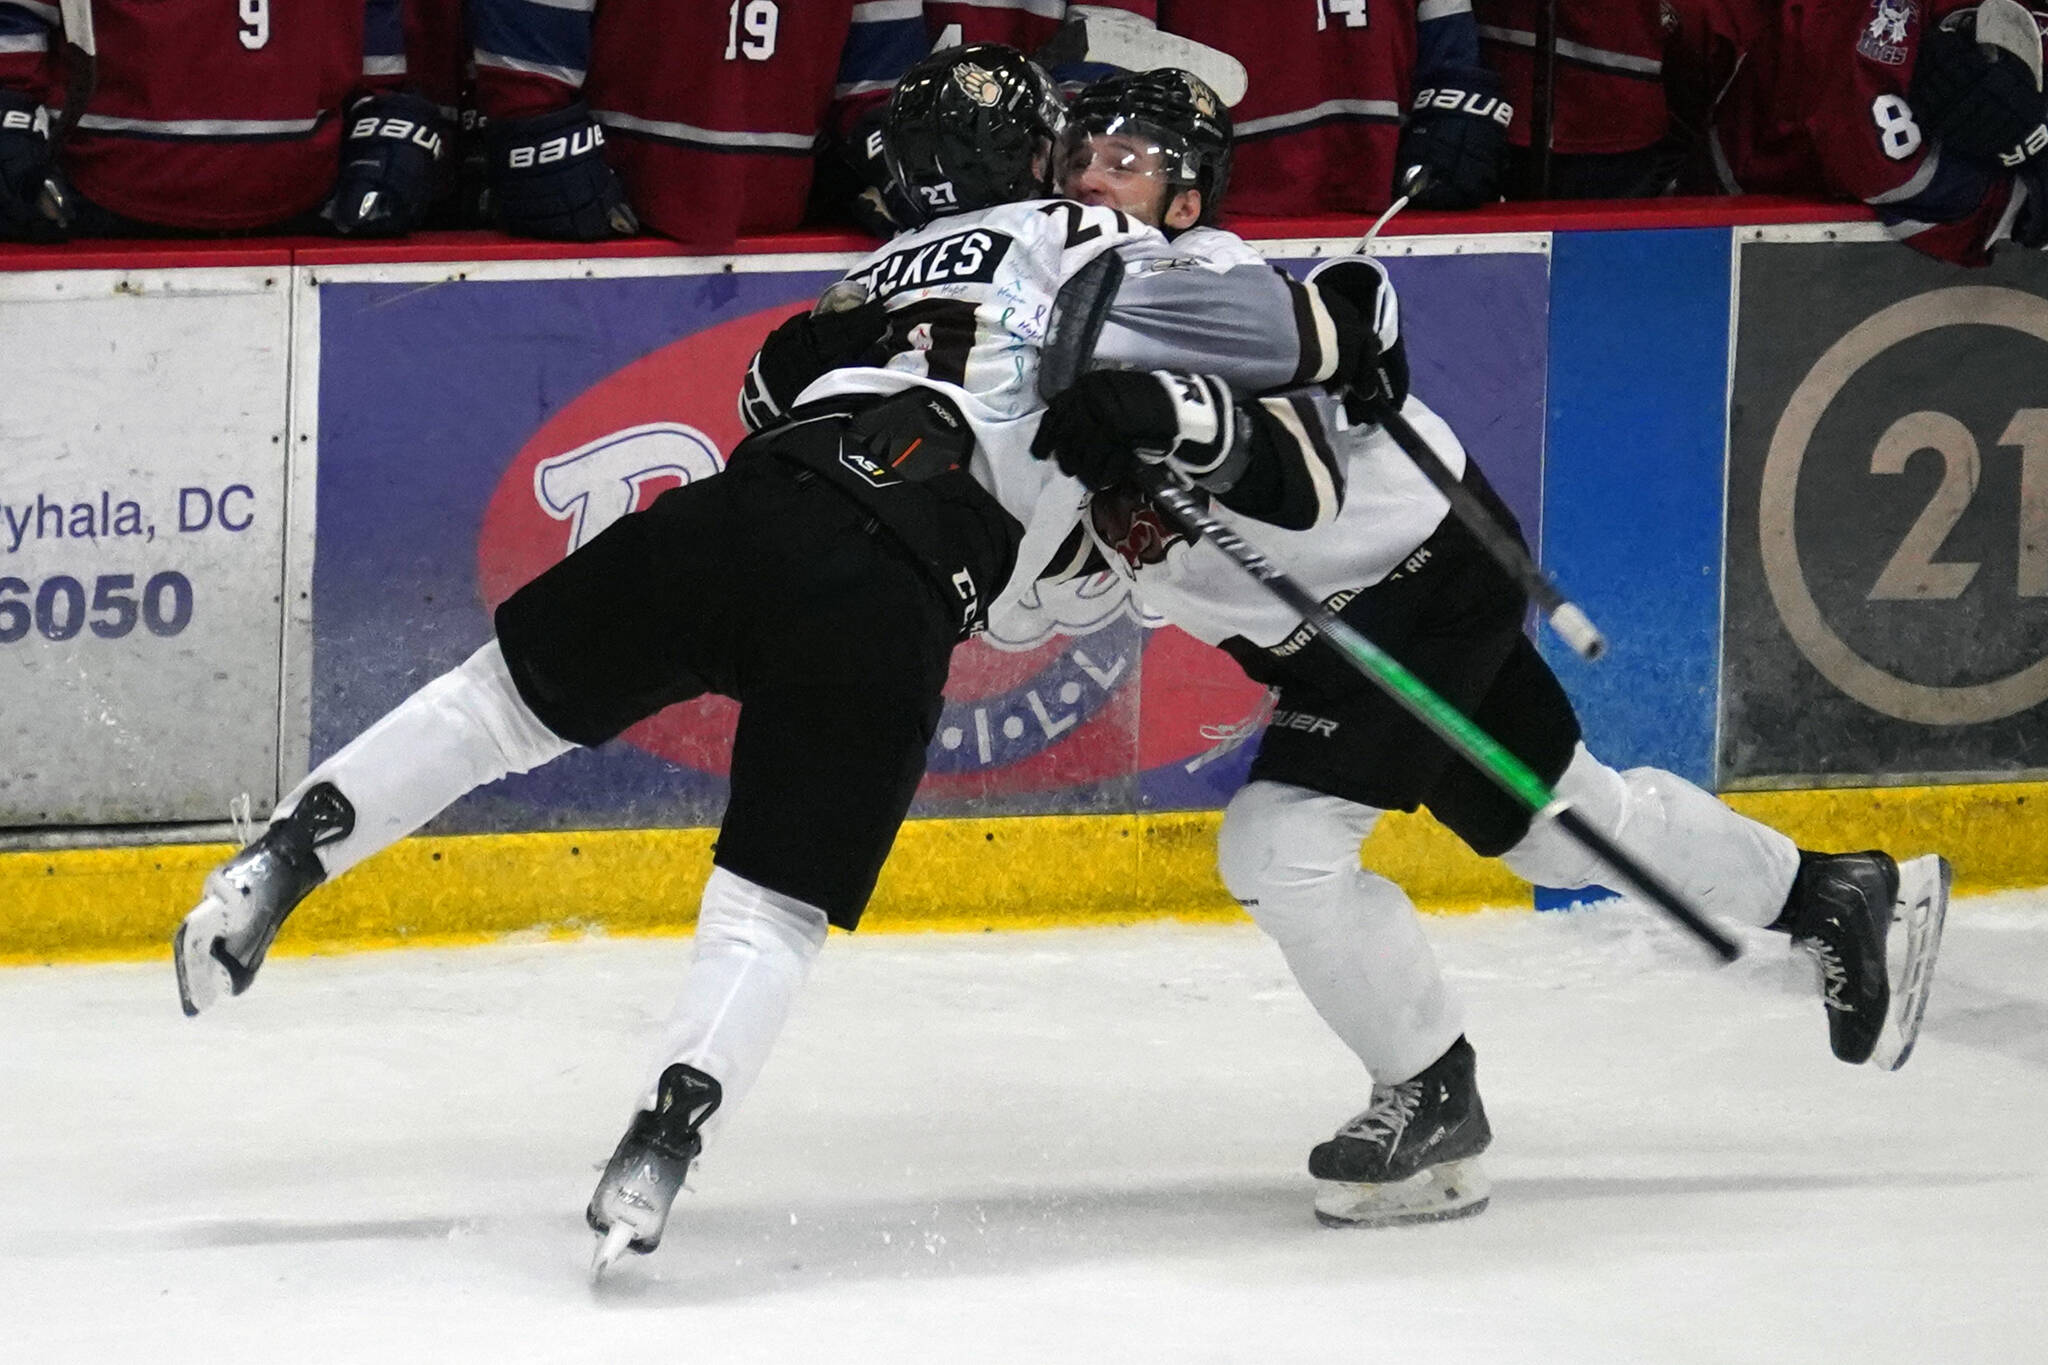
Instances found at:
x=1471 y=102
x=581 y=142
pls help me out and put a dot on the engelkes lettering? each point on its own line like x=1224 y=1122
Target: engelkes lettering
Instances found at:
x=963 y=258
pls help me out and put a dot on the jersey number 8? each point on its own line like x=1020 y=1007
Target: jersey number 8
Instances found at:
x=1897 y=132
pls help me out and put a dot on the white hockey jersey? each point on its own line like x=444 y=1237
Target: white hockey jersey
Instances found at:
x=1388 y=509
x=970 y=302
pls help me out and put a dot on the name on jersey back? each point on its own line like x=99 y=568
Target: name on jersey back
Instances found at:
x=963 y=258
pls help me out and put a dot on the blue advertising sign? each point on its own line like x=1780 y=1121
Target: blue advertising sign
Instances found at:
x=473 y=431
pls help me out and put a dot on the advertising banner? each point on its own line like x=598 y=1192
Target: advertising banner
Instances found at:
x=142 y=510
x=474 y=430
x=1887 y=548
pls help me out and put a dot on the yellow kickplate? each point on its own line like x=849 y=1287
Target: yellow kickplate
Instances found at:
x=1011 y=873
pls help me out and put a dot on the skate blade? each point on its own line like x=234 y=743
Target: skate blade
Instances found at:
x=1922 y=910
x=202 y=980
x=610 y=1247
x=1452 y=1189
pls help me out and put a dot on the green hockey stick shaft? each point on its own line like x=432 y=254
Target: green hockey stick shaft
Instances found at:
x=1446 y=721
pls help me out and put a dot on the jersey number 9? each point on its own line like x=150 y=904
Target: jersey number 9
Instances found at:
x=255 y=30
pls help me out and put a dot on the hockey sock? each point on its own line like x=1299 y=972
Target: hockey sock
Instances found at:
x=463 y=729
x=1726 y=864
x=754 y=947
x=1352 y=938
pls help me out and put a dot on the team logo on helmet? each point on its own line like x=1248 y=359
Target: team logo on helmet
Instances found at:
x=979 y=84
x=1200 y=95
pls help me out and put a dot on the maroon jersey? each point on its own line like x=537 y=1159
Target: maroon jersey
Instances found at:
x=221 y=117
x=1809 y=97
x=711 y=112
x=1608 y=90
x=1329 y=81
x=437 y=52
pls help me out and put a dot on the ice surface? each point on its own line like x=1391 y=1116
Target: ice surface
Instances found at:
x=1075 y=1146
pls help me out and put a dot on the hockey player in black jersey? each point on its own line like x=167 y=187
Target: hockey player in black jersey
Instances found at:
x=1418 y=582
x=822 y=581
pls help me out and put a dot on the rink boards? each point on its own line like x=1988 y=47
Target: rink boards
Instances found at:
x=1798 y=474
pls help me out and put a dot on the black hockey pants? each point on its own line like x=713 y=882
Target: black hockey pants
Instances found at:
x=768 y=585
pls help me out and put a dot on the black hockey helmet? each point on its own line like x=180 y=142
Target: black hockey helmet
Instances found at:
x=965 y=127
x=1174 y=112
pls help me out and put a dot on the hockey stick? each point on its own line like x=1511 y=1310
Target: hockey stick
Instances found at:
x=1543 y=94
x=81 y=59
x=1421 y=701
x=1570 y=621
x=81 y=78
x=1114 y=38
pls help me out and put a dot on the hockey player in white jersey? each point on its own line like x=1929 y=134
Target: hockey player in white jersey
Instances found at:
x=1389 y=557
x=829 y=572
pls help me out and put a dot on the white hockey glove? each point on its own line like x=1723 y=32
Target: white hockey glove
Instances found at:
x=1380 y=374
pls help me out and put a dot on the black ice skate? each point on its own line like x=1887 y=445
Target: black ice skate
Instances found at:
x=640 y=1182
x=1873 y=981
x=246 y=899
x=1411 y=1156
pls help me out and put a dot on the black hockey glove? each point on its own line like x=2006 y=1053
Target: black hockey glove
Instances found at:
x=469 y=200
x=878 y=205
x=1981 y=99
x=391 y=157
x=1381 y=373
x=1110 y=422
x=2030 y=225
x=1458 y=131
x=549 y=179
x=800 y=350
x=35 y=201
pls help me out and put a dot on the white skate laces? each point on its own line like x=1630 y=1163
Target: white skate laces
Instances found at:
x=1834 y=977
x=1388 y=1116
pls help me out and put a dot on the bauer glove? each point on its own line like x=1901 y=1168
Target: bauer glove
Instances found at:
x=1978 y=89
x=549 y=179
x=1458 y=132
x=2030 y=224
x=391 y=158
x=35 y=200
x=877 y=204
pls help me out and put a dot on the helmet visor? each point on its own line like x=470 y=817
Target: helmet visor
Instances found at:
x=1125 y=150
